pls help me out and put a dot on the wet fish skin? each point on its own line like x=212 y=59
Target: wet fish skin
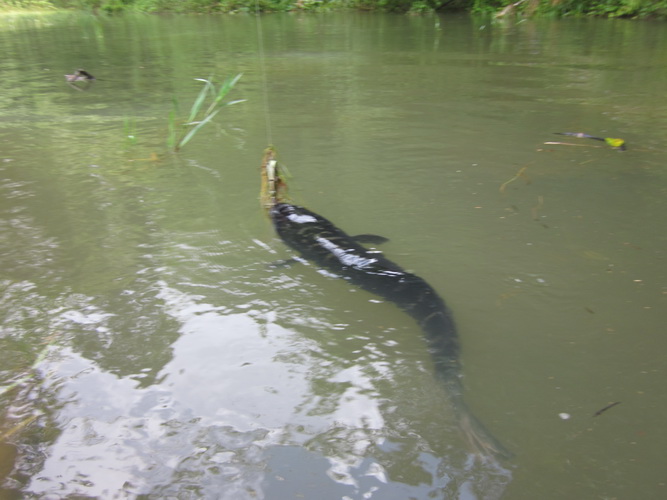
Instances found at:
x=321 y=242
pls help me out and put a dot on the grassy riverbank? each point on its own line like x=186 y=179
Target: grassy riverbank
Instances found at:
x=501 y=8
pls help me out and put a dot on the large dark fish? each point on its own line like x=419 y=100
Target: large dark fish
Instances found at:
x=324 y=244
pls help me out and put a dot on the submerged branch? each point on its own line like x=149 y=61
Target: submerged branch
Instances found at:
x=520 y=173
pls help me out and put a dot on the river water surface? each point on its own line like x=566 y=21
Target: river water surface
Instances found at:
x=148 y=349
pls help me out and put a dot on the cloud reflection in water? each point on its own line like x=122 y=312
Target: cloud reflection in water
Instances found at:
x=234 y=416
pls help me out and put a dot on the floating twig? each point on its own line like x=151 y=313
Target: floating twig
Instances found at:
x=80 y=75
x=602 y=410
x=520 y=173
x=557 y=143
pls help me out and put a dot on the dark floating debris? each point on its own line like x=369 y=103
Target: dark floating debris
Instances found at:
x=602 y=410
x=80 y=75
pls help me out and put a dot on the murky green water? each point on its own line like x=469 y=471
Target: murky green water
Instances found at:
x=175 y=364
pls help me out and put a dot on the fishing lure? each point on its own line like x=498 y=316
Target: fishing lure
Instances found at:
x=613 y=142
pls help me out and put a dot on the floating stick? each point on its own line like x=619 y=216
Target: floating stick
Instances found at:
x=602 y=410
x=520 y=173
x=570 y=144
x=615 y=143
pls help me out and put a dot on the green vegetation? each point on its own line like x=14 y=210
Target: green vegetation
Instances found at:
x=14 y=5
x=502 y=8
x=605 y=8
x=199 y=117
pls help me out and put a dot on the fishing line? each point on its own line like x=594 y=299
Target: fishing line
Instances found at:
x=262 y=65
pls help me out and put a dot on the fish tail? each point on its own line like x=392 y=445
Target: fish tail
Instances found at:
x=479 y=439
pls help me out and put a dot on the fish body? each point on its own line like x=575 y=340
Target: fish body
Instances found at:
x=319 y=241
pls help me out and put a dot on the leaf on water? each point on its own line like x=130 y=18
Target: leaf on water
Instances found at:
x=225 y=88
x=196 y=106
x=230 y=103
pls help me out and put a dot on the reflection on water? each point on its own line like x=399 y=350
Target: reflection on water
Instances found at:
x=180 y=364
x=235 y=406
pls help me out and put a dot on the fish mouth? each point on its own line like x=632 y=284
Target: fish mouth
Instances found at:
x=274 y=188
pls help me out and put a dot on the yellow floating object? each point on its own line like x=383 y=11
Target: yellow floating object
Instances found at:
x=615 y=143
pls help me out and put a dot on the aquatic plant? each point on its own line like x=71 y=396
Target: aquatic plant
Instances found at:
x=200 y=114
x=171 y=124
x=33 y=5
x=503 y=8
